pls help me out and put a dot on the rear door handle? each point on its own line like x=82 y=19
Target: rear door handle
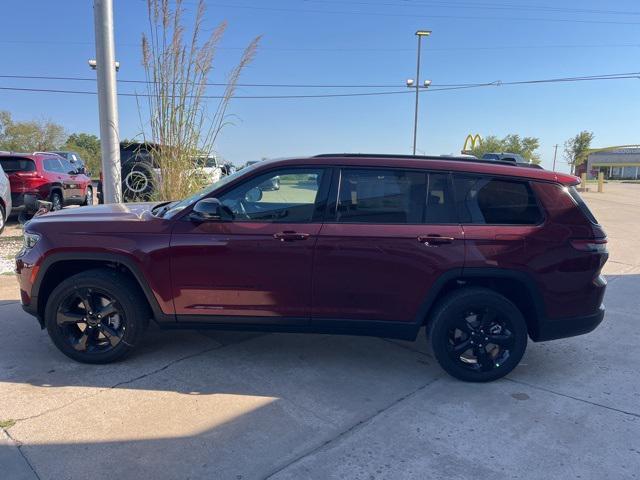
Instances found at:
x=434 y=240
x=290 y=236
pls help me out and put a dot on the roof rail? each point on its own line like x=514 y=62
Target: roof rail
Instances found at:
x=416 y=157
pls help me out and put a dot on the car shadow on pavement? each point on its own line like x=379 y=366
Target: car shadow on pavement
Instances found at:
x=215 y=404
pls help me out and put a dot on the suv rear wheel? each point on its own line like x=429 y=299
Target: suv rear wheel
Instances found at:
x=477 y=335
x=56 y=201
x=88 y=198
x=97 y=316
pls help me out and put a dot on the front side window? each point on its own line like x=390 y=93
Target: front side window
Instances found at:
x=493 y=201
x=381 y=196
x=287 y=195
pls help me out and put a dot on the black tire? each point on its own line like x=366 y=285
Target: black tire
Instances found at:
x=463 y=328
x=56 y=201
x=88 y=198
x=96 y=338
x=3 y=220
x=137 y=182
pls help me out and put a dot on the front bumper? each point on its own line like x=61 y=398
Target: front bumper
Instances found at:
x=552 y=329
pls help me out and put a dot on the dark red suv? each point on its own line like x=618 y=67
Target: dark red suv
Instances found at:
x=46 y=176
x=484 y=254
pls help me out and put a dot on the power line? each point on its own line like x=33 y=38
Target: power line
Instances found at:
x=497 y=83
x=356 y=49
x=318 y=85
x=493 y=6
x=429 y=16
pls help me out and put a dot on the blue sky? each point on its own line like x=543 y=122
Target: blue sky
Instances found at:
x=359 y=42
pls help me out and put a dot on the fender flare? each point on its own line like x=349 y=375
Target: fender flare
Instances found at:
x=106 y=257
x=462 y=274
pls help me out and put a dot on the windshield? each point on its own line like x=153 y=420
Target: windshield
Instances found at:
x=181 y=205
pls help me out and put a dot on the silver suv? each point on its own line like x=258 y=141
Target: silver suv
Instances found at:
x=5 y=199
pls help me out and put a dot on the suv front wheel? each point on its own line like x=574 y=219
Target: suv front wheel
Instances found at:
x=477 y=335
x=97 y=316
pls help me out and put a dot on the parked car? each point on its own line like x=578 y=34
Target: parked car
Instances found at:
x=482 y=253
x=514 y=158
x=46 y=176
x=5 y=198
x=76 y=161
x=140 y=172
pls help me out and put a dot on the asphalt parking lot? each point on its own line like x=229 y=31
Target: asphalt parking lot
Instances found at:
x=223 y=405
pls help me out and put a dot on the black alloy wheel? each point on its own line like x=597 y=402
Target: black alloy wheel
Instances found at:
x=91 y=321
x=477 y=335
x=97 y=316
x=481 y=340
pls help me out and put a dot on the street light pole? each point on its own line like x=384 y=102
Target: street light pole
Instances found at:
x=107 y=100
x=419 y=34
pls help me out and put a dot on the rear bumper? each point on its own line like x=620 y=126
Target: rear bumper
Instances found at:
x=567 y=327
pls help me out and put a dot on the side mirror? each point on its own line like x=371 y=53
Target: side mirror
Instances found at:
x=207 y=209
x=253 y=195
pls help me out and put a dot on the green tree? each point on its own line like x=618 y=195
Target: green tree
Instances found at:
x=88 y=146
x=512 y=143
x=31 y=136
x=576 y=148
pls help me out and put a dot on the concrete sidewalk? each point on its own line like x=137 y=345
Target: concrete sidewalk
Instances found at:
x=221 y=405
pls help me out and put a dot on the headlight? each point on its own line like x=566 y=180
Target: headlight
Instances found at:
x=30 y=240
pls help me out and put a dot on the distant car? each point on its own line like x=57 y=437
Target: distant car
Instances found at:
x=5 y=198
x=514 y=158
x=46 y=176
x=208 y=167
x=76 y=160
x=140 y=172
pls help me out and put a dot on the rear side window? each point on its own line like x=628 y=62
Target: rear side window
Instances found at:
x=52 y=165
x=492 y=201
x=583 y=206
x=17 y=164
x=381 y=196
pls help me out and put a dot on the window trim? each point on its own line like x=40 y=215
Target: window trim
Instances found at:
x=528 y=181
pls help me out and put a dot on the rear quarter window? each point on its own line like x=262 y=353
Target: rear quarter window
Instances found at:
x=17 y=164
x=494 y=201
x=583 y=206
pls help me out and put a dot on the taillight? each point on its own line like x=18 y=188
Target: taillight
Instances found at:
x=27 y=175
x=598 y=245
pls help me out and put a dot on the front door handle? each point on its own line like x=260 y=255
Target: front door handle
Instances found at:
x=288 y=236
x=434 y=240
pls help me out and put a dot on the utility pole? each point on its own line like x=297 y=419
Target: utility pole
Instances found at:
x=107 y=100
x=555 y=154
x=419 y=34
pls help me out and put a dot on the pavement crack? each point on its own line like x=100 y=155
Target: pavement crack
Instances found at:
x=353 y=428
x=18 y=445
x=595 y=404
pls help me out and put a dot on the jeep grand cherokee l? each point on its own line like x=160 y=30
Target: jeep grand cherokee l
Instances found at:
x=484 y=254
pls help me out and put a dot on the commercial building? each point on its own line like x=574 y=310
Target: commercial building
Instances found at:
x=619 y=164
